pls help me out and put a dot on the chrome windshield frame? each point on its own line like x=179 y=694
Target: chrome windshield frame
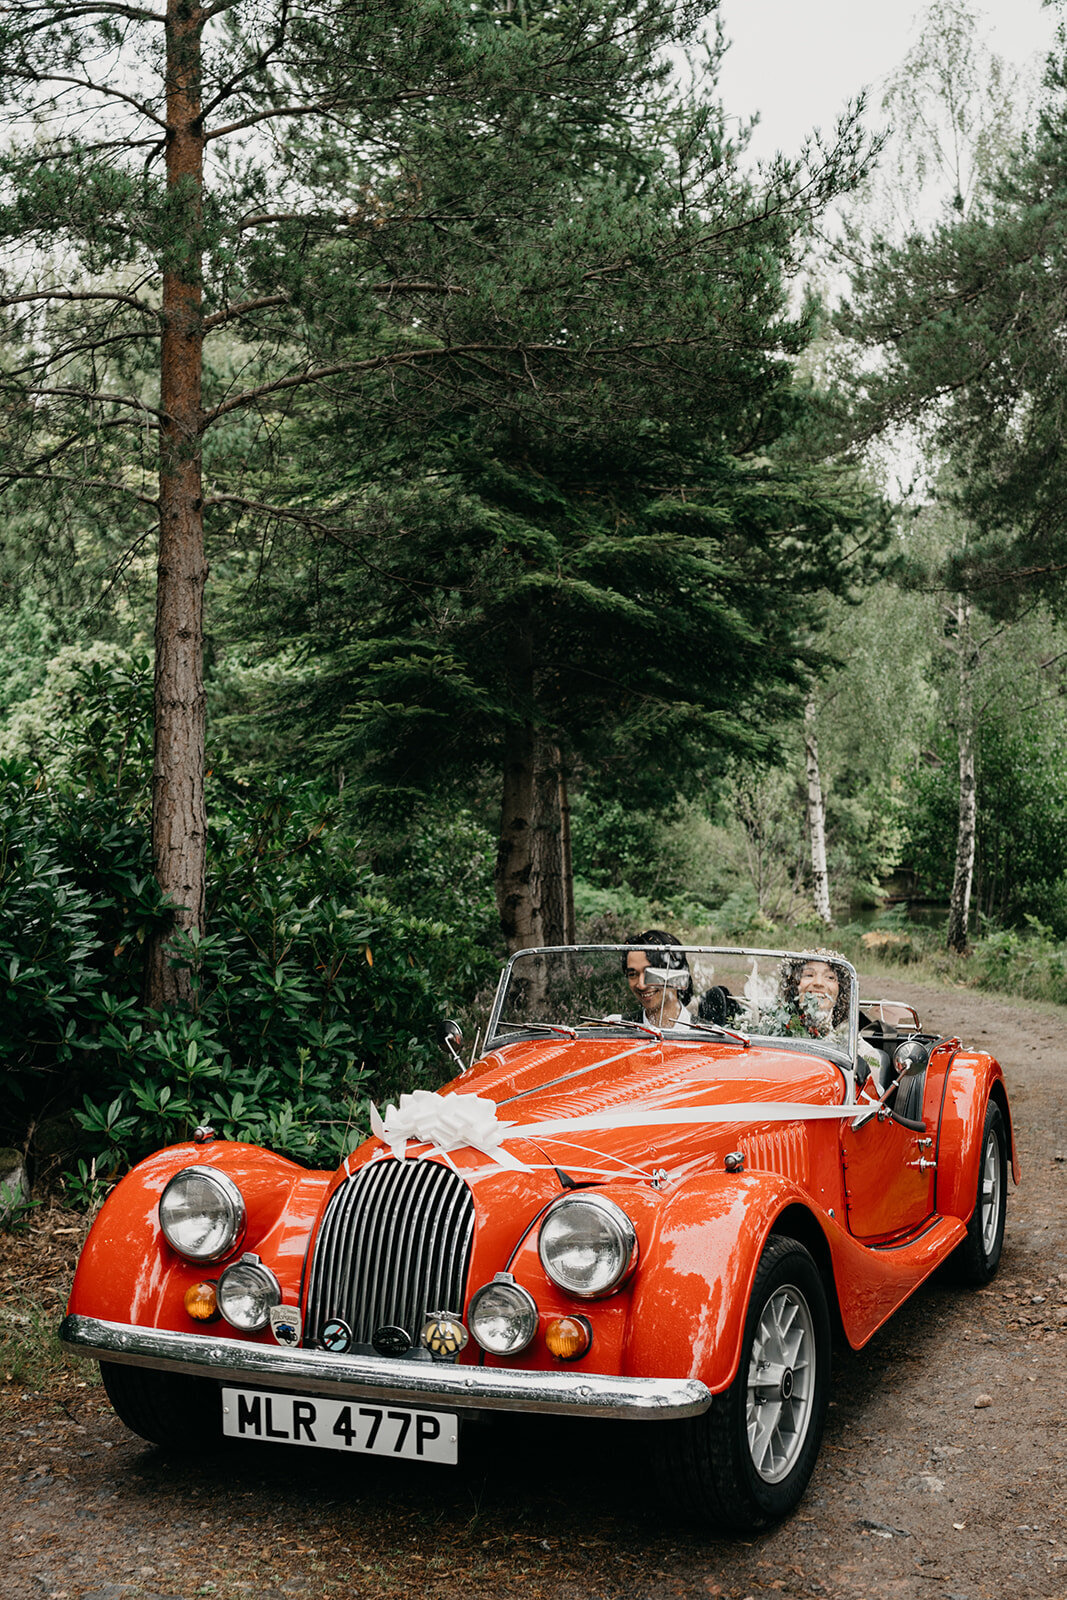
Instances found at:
x=493 y=1037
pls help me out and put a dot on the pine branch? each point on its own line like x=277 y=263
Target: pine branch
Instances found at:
x=35 y=468
x=82 y=483
x=401 y=358
x=298 y=380
x=284 y=216
x=78 y=294
x=269 y=301
x=96 y=88
x=55 y=358
x=96 y=397
x=227 y=89
x=403 y=286
x=315 y=108
x=325 y=107
x=1016 y=575
x=351 y=219
x=124 y=562
x=92 y=8
x=331 y=531
x=243 y=307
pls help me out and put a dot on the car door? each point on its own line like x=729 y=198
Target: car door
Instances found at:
x=889 y=1170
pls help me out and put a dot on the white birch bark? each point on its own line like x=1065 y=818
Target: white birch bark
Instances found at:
x=820 y=877
x=960 y=901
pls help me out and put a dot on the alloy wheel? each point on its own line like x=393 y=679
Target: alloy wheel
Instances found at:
x=781 y=1383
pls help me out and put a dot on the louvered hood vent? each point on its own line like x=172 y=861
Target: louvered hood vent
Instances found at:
x=395 y=1243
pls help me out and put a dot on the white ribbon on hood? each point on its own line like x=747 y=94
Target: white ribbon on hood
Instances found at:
x=450 y=1122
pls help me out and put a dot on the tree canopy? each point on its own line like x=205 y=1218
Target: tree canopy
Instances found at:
x=967 y=323
x=229 y=228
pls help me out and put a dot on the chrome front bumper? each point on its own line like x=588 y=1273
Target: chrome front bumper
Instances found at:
x=430 y=1383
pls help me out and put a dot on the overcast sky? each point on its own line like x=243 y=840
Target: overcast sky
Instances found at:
x=798 y=61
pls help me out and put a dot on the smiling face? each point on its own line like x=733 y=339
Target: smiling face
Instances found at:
x=819 y=980
x=660 y=1003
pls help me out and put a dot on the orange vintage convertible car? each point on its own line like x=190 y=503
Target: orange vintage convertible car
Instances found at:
x=668 y=1176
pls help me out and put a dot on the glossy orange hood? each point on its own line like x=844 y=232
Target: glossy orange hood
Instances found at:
x=534 y=1081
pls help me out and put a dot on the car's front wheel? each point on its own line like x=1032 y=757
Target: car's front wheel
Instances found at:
x=746 y=1461
x=166 y=1408
x=978 y=1255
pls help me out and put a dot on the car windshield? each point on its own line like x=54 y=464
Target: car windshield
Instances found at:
x=680 y=991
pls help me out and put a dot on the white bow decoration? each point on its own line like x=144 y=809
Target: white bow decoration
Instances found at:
x=447 y=1122
x=468 y=1121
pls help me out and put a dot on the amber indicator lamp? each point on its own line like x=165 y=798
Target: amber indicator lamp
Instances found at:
x=568 y=1338
x=200 y=1302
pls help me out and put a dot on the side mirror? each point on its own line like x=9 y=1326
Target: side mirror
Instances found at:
x=910 y=1057
x=451 y=1035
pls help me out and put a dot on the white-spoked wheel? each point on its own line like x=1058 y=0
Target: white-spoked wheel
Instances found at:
x=990 y=1184
x=781 y=1387
x=978 y=1256
x=746 y=1461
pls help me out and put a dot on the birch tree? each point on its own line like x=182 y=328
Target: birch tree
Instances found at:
x=816 y=813
x=920 y=293
x=966 y=830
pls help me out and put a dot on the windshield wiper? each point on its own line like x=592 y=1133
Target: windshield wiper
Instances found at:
x=541 y=1027
x=717 y=1027
x=661 y=1033
x=625 y=1022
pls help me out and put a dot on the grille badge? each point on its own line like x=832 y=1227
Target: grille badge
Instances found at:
x=336 y=1335
x=285 y=1324
x=390 y=1341
x=444 y=1335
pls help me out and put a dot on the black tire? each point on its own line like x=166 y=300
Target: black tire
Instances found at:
x=167 y=1408
x=721 y=1467
x=977 y=1257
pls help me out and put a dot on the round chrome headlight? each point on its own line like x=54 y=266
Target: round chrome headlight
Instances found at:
x=202 y=1213
x=502 y=1317
x=246 y=1292
x=587 y=1245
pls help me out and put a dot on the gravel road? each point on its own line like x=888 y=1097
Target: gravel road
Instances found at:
x=942 y=1472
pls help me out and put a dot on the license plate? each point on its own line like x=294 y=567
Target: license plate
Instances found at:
x=397 y=1431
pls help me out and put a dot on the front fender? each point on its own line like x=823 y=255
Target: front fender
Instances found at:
x=690 y=1300
x=969 y=1083
x=129 y=1273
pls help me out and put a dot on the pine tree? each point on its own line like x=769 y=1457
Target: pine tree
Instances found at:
x=216 y=215
x=633 y=616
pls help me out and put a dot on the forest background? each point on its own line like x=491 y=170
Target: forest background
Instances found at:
x=602 y=534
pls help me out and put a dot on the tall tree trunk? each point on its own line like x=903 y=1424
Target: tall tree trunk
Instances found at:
x=966 y=833
x=569 y=933
x=820 y=878
x=179 y=820
x=515 y=877
x=548 y=855
x=553 y=871
x=534 y=878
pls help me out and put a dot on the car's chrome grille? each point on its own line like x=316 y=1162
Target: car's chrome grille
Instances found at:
x=395 y=1243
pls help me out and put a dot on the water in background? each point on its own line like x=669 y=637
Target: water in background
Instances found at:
x=923 y=913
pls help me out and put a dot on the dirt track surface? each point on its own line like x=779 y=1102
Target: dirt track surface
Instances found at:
x=920 y=1493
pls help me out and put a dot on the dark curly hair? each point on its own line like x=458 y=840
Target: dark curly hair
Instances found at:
x=655 y=946
x=789 y=981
